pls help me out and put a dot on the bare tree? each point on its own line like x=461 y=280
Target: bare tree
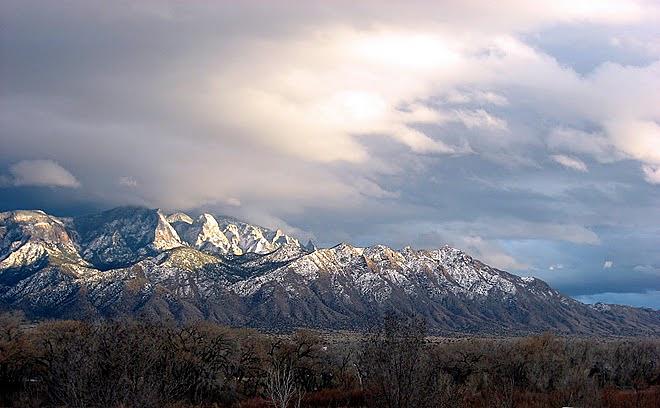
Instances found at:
x=395 y=367
x=281 y=386
x=137 y=364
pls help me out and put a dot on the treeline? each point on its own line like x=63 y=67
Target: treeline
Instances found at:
x=138 y=364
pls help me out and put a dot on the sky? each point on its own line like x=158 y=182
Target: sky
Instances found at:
x=526 y=133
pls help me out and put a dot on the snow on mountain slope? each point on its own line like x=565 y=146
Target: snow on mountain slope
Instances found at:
x=378 y=272
x=134 y=261
x=205 y=234
x=124 y=235
x=31 y=238
x=348 y=287
x=179 y=217
x=250 y=238
x=224 y=235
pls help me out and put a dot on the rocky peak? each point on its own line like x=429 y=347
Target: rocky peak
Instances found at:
x=124 y=235
x=248 y=238
x=138 y=264
x=310 y=246
x=165 y=237
x=27 y=237
x=179 y=217
x=205 y=234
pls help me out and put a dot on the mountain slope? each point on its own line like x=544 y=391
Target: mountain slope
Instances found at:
x=122 y=236
x=138 y=262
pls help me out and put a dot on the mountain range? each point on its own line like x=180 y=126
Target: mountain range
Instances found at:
x=143 y=263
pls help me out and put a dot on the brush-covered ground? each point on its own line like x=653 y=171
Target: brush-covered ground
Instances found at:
x=66 y=363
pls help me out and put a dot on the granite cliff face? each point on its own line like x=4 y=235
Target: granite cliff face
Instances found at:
x=139 y=262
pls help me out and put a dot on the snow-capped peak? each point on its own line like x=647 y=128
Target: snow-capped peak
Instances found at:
x=205 y=234
x=28 y=237
x=134 y=261
x=165 y=237
x=227 y=236
x=179 y=217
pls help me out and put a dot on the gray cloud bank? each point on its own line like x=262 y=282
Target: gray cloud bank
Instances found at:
x=525 y=132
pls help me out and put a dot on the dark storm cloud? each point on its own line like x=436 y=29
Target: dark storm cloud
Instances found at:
x=526 y=134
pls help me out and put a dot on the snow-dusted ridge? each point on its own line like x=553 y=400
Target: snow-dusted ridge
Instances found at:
x=225 y=235
x=137 y=261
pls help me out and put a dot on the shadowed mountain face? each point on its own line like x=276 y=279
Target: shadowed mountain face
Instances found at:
x=139 y=262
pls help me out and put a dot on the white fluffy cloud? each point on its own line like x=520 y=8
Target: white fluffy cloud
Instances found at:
x=639 y=139
x=570 y=162
x=651 y=173
x=621 y=138
x=314 y=94
x=41 y=173
x=285 y=102
x=480 y=119
x=338 y=85
x=594 y=144
x=491 y=253
x=127 y=181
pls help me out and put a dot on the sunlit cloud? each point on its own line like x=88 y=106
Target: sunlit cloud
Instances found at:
x=570 y=162
x=127 y=181
x=42 y=173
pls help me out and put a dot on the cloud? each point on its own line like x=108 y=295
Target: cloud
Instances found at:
x=594 y=144
x=312 y=107
x=570 y=162
x=638 y=139
x=127 y=181
x=647 y=269
x=484 y=239
x=491 y=253
x=647 y=45
x=43 y=173
x=308 y=87
x=479 y=96
x=517 y=229
x=649 y=298
x=233 y=201
x=480 y=119
x=651 y=173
